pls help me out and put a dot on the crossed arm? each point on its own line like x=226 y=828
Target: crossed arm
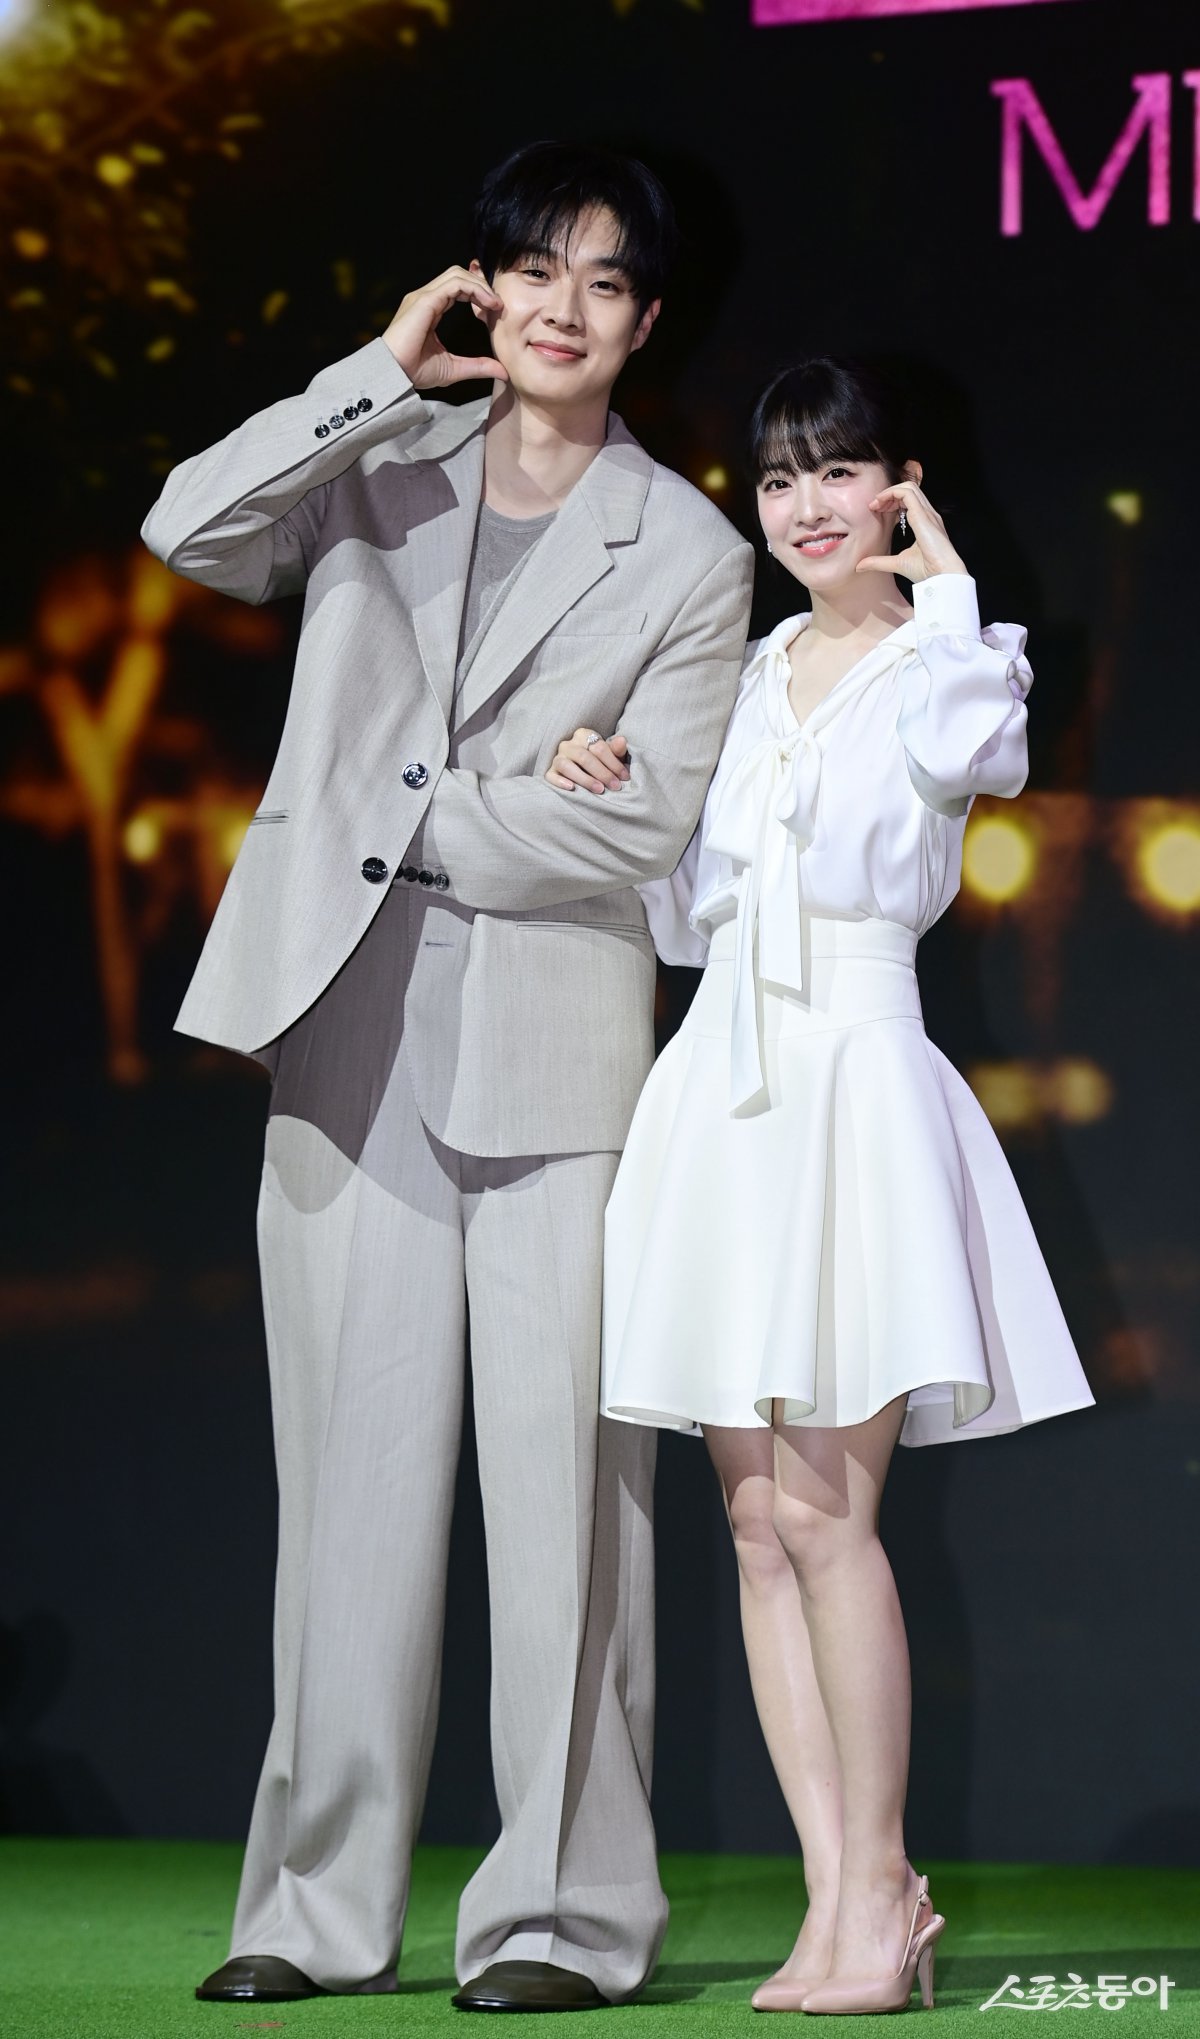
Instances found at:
x=524 y=842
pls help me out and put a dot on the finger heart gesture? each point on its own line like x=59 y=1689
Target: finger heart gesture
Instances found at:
x=930 y=550
x=412 y=334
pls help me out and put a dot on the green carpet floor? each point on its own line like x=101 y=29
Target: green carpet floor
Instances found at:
x=107 y=1938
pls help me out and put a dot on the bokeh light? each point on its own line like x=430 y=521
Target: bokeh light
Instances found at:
x=1077 y=1091
x=714 y=481
x=115 y=170
x=999 y=858
x=1125 y=505
x=1168 y=859
x=231 y=837
x=141 y=839
x=1020 y=1096
x=1008 y=1092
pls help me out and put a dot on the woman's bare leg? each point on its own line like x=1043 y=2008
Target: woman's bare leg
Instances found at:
x=790 y=1708
x=828 y=1486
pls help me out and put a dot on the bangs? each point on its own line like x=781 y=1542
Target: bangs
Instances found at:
x=799 y=441
x=550 y=229
x=819 y=412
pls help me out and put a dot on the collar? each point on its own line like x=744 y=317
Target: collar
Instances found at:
x=770 y=663
x=614 y=485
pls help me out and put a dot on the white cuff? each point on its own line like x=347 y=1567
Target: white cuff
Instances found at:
x=946 y=605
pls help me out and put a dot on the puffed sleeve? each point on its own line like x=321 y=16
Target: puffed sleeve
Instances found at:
x=702 y=879
x=668 y=903
x=963 y=717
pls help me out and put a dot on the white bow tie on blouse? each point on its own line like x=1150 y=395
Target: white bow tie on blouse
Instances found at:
x=763 y=817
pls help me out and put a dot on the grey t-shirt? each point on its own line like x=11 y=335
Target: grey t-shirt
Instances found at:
x=502 y=545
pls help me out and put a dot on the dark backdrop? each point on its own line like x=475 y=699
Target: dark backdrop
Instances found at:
x=197 y=218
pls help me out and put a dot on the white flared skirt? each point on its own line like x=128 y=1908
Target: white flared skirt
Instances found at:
x=853 y=1236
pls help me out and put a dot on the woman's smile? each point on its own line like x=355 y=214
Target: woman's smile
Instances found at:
x=820 y=545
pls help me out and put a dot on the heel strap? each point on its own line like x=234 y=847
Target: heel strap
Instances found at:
x=923 y=1898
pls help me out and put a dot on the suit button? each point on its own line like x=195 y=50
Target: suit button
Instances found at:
x=424 y=877
x=322 y=432
x=374 y=870
x=349 y=410
x=365 y=404
x=414 y=776
x=442 y=882
x=409 y=874
x=337 y=420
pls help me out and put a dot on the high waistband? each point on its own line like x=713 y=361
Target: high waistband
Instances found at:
x=885 y=941
x=841 y=973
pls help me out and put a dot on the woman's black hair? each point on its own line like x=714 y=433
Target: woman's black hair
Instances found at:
x=824 y=409
x=530 y=204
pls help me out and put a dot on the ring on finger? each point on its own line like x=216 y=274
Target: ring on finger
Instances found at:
x=595 y=737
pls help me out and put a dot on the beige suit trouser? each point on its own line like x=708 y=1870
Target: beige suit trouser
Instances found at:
x=377 y=1244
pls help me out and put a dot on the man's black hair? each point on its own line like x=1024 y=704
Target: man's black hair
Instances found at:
x=531 y=203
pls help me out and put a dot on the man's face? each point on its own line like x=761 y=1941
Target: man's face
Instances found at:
x=570 y=319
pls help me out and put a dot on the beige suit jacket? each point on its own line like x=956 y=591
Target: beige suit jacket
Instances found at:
x=528 y=1014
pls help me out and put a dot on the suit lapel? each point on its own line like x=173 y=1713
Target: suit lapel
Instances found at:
x=451 y=453
x=603 y=509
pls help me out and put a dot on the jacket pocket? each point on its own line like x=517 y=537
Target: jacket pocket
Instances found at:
x=602 y=623
x=269 y=814
x=601 y=927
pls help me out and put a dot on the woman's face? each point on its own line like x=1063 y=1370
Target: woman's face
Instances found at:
x=820 y=525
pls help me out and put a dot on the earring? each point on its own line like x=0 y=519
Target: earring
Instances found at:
x=770 y=549
x=904 y=523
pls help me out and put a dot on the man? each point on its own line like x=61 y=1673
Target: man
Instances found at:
x=443 y=961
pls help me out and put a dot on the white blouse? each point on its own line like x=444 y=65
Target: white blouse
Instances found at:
x=858 y=812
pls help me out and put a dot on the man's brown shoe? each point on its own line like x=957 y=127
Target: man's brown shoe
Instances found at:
x=257 y=1979
x=529 y=1986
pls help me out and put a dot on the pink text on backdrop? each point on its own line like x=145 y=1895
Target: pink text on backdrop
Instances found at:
x=1023 y=113
x=778 y=13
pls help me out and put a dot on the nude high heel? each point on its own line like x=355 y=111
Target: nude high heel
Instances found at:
x=888 y=1992
x=782 y=1992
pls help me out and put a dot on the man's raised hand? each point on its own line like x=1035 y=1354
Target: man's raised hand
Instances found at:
x=412 y=335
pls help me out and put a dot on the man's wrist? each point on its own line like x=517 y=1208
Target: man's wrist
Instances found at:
x=389 y=342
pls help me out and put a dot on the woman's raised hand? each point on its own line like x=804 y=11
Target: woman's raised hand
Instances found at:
x=412 y=335
x=585 y=759
x=930 y=551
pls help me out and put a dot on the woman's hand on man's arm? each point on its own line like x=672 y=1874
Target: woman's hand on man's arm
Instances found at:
x=585 y=759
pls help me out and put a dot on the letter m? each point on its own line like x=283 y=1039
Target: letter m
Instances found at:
x=1023 y=109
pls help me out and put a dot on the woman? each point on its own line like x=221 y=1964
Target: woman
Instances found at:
x=814 y=1247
